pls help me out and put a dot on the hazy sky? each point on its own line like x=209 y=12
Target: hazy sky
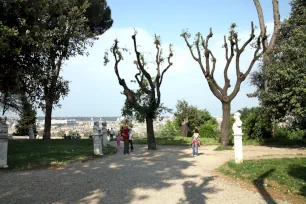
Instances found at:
x=94 y=88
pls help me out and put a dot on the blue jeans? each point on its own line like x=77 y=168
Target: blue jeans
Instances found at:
x=195 y=148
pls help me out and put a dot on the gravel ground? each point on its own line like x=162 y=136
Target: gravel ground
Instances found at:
x=169 y=175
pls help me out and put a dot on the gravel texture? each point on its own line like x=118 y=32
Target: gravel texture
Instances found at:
x=168 y=175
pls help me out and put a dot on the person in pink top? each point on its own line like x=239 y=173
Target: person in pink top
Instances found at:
x=118 y=139
x=195 y=142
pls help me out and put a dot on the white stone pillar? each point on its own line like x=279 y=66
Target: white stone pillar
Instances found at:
x=31 y=133
x=238 y=138
x=96 y=137
x=3 y=143
x=238 y=148
x=104 y=134
x=97 y=145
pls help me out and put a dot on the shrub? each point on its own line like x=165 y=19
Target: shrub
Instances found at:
x=255 y=123
x=210 y=129
x=87 y=134
x=196 y=116
x=61 y=133
x=71 y=132
x=286 y=133
x=170 y=129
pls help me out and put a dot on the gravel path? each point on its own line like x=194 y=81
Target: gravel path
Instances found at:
x=169 y=175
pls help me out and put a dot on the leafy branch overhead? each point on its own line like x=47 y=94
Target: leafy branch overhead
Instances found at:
x=232 y=49
x=147 y=98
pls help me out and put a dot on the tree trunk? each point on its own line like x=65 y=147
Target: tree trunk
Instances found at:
x=47 y=129
x=226 y=108
x=150 y=133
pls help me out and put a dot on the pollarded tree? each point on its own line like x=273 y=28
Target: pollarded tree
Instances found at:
x=221 y=93
x=144 y=103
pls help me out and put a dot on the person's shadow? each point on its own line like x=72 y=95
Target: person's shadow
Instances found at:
x=259 y=183
x=197 y=193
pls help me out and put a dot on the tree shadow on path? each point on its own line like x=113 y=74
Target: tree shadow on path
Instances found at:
x=144 y=175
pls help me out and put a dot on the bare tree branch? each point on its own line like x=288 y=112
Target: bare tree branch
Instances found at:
x=226 y=48
x=250 y=39
x=240 y=51
x=227 y=81
x=190 y=47
x=169 y=65
x=261 y=23
x=276 y=16
x=207 y=51
x=140 y=63
x=130 y=95
x=268 y=47
x=184 y=35
x=241 y=78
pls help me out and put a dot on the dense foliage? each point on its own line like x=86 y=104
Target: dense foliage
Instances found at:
x=210 y=129
x=170 y=129
x=27 y=117
x=196 y=117
x=255 y=123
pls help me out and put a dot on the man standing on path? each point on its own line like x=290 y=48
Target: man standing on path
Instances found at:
x=131 y=139
x=112 y=132
x=125 y=134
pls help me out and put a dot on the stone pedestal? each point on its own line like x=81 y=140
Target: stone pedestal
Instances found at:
x=104 y=135
x=238 y=138
x=97 y=139
x=3 y=143
x=97 y=145
x=31 y=133
x=238 y=148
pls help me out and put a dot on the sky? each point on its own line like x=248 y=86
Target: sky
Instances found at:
x=94 y=88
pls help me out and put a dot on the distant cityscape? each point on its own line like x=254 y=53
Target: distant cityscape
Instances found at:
x=83 y=125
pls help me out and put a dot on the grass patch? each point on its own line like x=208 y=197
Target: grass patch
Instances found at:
x=175 y=140
x=286 y=175
x=276 y=142
x=219 y=148
x=36 y=154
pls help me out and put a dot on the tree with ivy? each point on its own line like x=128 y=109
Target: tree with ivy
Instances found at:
x=286 y=96
x=144 y=103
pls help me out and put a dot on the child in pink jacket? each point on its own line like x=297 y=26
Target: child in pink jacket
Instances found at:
x=118 y=139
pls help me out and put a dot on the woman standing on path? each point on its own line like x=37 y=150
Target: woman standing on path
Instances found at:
x=195 y=142
x=125 y=134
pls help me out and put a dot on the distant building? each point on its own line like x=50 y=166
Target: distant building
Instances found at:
x=71 y=122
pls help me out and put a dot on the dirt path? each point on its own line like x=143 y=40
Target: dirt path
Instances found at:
x=169 y=175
